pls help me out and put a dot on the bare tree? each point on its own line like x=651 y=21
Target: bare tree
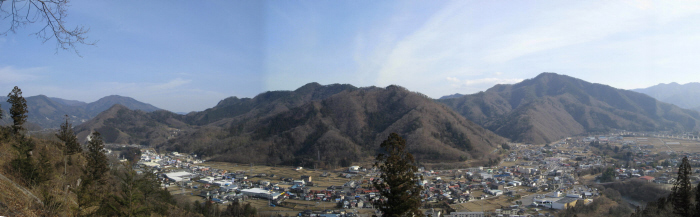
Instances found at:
x=52 y=14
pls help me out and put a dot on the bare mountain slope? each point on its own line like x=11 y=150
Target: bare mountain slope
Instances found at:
x=324 y=124
x=552 y=106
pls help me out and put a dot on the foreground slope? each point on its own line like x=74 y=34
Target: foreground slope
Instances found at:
x=551 y=106
x=314 y=125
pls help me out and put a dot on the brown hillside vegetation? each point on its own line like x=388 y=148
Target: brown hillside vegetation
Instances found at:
x=313 y=125
x=551 y=106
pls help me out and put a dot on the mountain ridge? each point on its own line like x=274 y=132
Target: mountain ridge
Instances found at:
x=682 y=95
x=552 y=106
x=49 y=112
x=314 y=124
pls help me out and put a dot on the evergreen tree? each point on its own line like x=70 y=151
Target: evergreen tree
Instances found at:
x=129 y=199
x=681 y=191
x=96 y=168
x=18 y=111
x=398 y=184
x=24 y=165
x=697 y=201
x=67 y=136
x=70 y=142
x=92 y=187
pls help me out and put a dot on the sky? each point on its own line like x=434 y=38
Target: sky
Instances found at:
x=188 y=55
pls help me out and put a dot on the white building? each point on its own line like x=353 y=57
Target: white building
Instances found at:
x=260 y=193
x=179 y=176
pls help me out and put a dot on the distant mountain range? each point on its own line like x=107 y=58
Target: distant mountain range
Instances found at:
x=328 y=124
x=551 y=106
x=332 y=124
x=684 y=96
x=49 y=112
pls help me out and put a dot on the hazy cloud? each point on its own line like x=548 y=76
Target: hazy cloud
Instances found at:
x=11 y=75
x=171 y=84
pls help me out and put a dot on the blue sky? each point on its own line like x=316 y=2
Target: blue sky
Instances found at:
x=186 y=56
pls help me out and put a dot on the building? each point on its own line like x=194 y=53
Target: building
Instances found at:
x=433 y=213
x=647 y=178
x=465 y=214
x=260 y=193
x=306 y=178
x=179 y=176
x=564 y=203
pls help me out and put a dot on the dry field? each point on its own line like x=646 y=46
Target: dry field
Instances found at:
x=667 y=144
x=286 y=172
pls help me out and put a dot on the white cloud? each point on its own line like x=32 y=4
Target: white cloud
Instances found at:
x=170 y=85
x=12 y=75
x=458 y=42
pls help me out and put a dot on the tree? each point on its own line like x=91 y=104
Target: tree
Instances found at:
x=91 y=189
x=96 y=168
x=18 y=111
x=52 y=13
x=70 y=142
x=67 y=136
x=398 y=181
x=608 y=175
x=129 y=200
x=697 y=200
x=681 y=191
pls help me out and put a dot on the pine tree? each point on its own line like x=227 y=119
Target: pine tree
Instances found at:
x=129 y=200
x=67 y=136
x=96 y=168
x=398 y=183
x=70 y=142
x=92 y=187
x=18 y=111
x=681 y=191
x=697 y=201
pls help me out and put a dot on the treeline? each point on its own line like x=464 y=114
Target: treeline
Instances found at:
x=639 y=190
x=71 y=179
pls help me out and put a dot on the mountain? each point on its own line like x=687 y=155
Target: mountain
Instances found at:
x=684 y=96
x=551 y=106
x=320 y=124
x=265 y=104
x=105 y=103
x=68 y=102
x=119 y=124
x=456 y=95
x=49 y=112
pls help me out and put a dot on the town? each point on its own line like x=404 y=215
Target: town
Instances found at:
x=530 y=180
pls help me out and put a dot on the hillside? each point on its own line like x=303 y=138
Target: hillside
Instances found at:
x=49 y=112
x=684 y=96
x=122 y=125
x=551 y=106
x=314 y=124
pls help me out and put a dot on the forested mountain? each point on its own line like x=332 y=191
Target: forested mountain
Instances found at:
x=552 y=106
x=49 y=112
x=684 y=96
x=328 y=124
